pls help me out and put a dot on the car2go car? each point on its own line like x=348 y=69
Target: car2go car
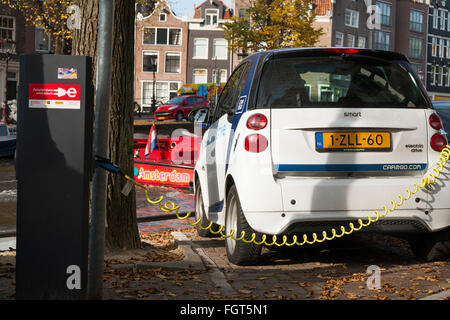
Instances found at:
x=306 y=140
x=179 y=107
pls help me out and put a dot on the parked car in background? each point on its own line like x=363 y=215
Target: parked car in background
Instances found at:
x=179 y=107
x=7 y=141
x=443 y=109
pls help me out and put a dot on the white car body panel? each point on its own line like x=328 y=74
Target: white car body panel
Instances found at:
x=273 y=200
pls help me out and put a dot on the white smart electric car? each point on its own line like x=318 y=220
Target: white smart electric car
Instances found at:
x=306 y=140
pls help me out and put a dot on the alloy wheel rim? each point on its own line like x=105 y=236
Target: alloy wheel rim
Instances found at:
x=231 y=223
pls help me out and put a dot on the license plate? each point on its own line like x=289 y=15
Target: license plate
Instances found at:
x=162 y=118
x=353 y=141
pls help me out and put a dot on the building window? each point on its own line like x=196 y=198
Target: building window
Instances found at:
x=200 y=76
x=163 y=92
x=149 y=36
x=433 y=14
x=162 y=17
x=416 y=21
x=211 y=17
x=339 y=39
x=222 y=76
x=351 y=18
x=438 y=75
x=440 y=48
x=174 y=37
x=432 y=76
x=415 y=48
x=361 y=42
x=441 y=19
x=173 y=62
x=41 y=40
x=162 y=36
x=147 y=65
x=200 y=48
x=7 y=31
x=350 y=40
x=418 y=68
x=220 y=49
x=448 y=48
x=384 y=17
x=433 y=46
x=382 y=40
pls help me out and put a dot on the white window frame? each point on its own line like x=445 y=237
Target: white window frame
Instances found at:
x=13 y=28
x=150 y=83
x=432 y=75
x=433 y=46
x=342 y=37
x=349 y=36
x=165 y=17
x=359 y=42
x=441 y=48
x=206 y=75
x=439 y=72
x=441 y=19
x=434 y=18
x=168 y=37
x=352 y=13
x=214 y=49
x=35 y=35
x=211 y=15
x=220 y=70
x=173 y=53
x=194 y=56
x=156 y=53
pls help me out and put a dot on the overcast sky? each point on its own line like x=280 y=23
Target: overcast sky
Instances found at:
x=182 y=7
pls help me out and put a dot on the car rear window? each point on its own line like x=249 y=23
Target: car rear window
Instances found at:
x=338 y=81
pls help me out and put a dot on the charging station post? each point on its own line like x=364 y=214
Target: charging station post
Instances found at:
x=54 y=168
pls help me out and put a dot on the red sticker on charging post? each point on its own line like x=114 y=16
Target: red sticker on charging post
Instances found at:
x=54 y=96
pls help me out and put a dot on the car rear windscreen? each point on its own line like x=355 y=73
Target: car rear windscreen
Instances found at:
x=338 y=81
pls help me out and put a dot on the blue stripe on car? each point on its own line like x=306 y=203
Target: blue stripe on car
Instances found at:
x=351 y=167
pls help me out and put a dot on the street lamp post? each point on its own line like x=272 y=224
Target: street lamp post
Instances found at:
x=8 y=49
x=153 y=63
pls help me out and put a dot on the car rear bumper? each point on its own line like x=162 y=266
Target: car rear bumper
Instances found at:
x=164 y=115
x=398 y=221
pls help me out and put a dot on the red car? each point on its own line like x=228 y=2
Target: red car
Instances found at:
x=179 y=107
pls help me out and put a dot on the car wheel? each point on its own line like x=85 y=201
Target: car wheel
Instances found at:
x=179 y=116
x=431 y=246
x=239 y=252
x=200 y=213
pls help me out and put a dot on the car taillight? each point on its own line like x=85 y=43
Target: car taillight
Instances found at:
x=256 y=143
x=343 y=50
x=438 y=142
x=435 y=121
x=257 y=121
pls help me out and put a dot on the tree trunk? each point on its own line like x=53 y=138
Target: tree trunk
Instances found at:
x=122 y=228
x=84 y=41
x=121 y=231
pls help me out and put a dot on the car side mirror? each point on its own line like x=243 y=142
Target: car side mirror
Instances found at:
x=199 y=116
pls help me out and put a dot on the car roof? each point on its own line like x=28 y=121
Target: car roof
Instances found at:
x=389 y=55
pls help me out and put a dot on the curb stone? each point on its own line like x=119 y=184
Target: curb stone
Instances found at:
x=191 y=261
x=438 y=296
x=217 y=276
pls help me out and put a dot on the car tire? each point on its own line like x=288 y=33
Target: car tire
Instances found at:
x=431 y=246
x=239 y=252
x=179 y=116
x=200 y=213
